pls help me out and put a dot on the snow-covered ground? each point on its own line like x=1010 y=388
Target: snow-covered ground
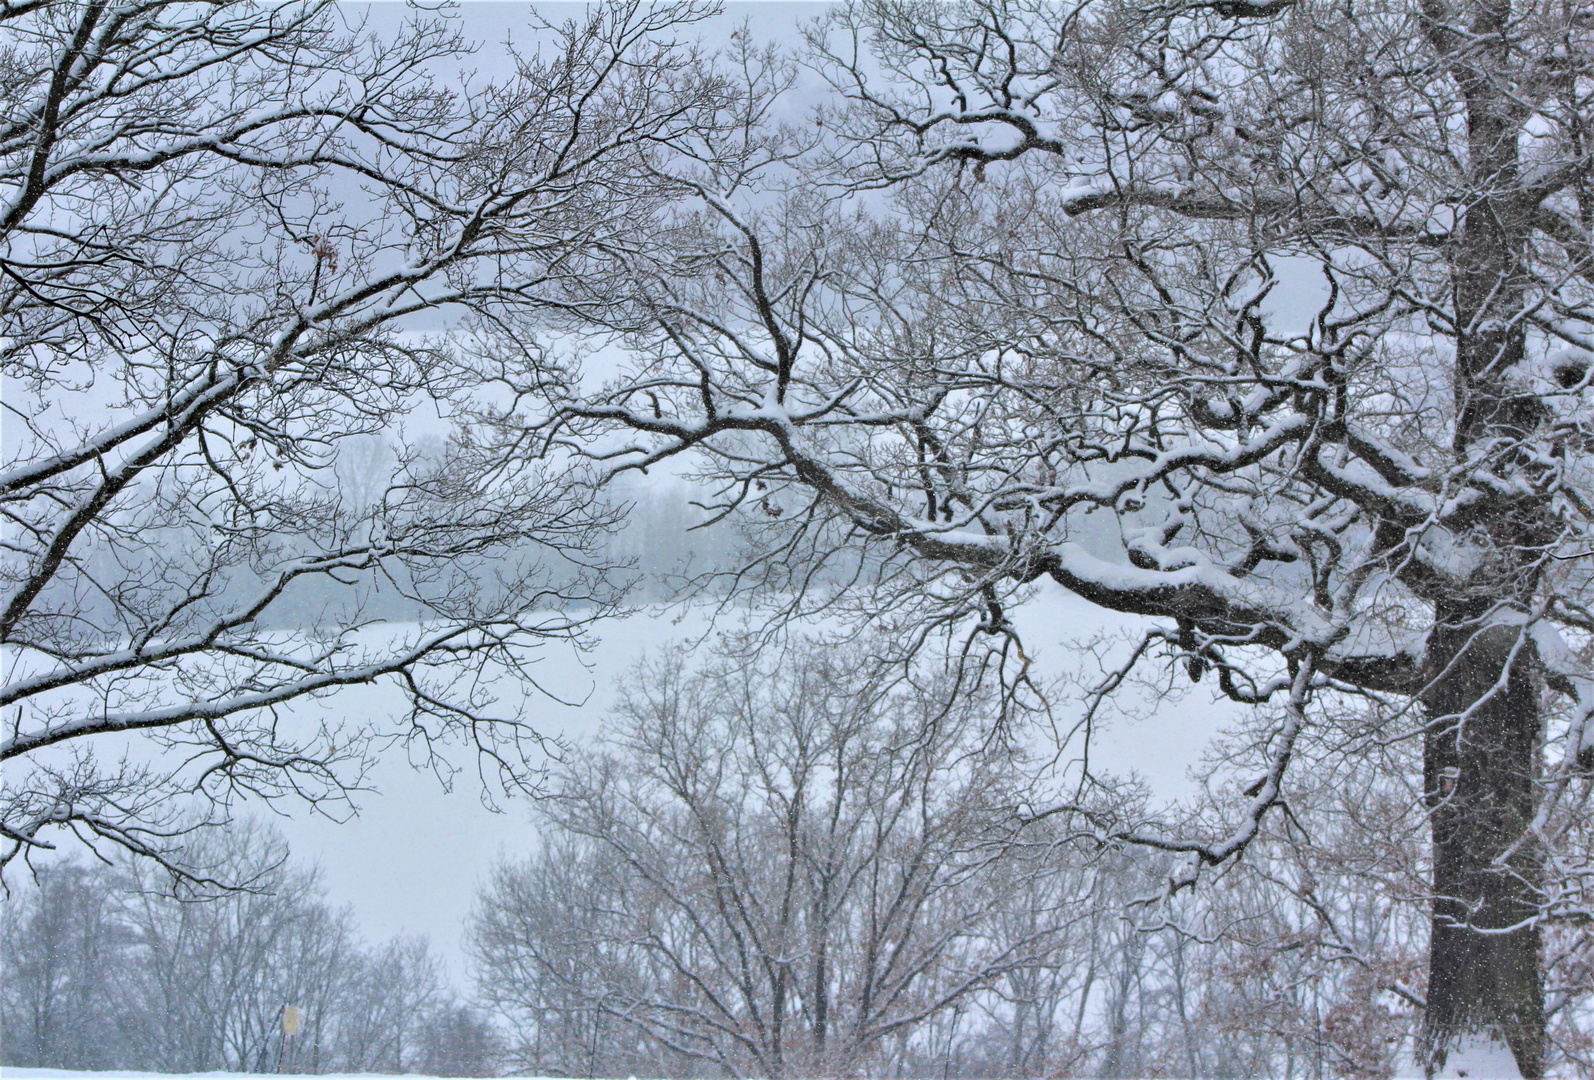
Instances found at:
x=1476 y=1059
x=1476 y=1062
x=67 y=1074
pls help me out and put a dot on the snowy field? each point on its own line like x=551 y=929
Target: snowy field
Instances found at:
x=68 y=1074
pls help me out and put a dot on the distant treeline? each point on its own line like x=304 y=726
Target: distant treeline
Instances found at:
x=668 y=538
x=650 y=554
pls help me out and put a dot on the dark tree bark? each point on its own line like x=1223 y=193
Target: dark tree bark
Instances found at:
x=1480 y=763
x=1481 y=747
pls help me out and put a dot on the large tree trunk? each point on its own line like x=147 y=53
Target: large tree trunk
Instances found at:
x=1481 y=745
x=1480 y=759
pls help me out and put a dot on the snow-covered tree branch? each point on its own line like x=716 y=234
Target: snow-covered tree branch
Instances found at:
x=1270 y=323
x=215 y=222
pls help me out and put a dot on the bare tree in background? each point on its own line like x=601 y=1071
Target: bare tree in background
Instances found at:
x=1050 y=352
x=784 y=862
x=1303 y=957
x=365 y=469
x=120 y=967
x=62 y=1000
x=458 y=1041
x=541 y=968
x=214 y=220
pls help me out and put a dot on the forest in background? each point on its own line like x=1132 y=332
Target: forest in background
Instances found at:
x=118 y=966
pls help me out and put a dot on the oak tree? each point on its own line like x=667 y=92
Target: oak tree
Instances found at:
x=1270 y=322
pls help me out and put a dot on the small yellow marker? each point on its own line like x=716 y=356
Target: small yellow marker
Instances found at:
x=290 y=1020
